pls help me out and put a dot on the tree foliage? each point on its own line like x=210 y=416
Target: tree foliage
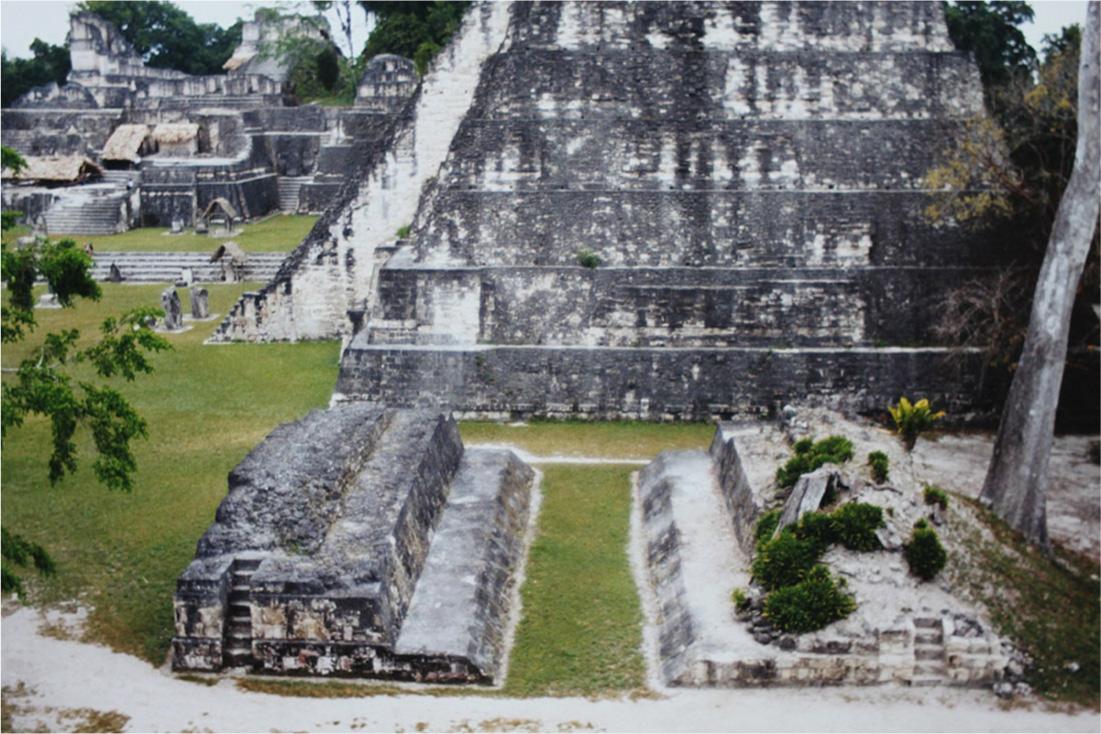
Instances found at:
x=167 y=37
x=990 y=30
x=44 y=385
x=1008 y=171
x=416 y=30
x=49 y=64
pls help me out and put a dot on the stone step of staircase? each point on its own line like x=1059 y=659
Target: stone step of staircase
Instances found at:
x=290 y=188
x=165 y=267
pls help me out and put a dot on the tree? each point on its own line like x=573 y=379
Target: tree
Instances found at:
x=1007 y=172
x=167 y=37
x=43 y=384
x=416 y=30
x=49 y=64
x=990 y=31
x=1017 y=479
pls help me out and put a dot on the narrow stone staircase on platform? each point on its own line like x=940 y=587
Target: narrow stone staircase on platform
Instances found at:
x=100 y=213
x=238 y=627
x=929 y=656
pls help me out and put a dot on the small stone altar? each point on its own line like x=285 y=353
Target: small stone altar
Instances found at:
x=359 y=541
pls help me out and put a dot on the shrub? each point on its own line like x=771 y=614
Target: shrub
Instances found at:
x=403 y=231
x=934 y=495
x=881 y=466
x=784 y=560
x=811 y=604
x=924 y=554
x=766 y=526
x=854 y=526
x=913 y=419
x=809 y=456
x=740 y=599
x=588 y=259
x=818 y=529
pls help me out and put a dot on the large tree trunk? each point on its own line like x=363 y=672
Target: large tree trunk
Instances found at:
x=1017 y=480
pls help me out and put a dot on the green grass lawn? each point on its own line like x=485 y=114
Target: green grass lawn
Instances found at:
x=206 y=408
x=615 y=439
x=280 y=233
x=581 y=629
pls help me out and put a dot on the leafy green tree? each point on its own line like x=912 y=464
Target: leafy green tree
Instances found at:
x=167 y=37
x=990 y=30
x=1009 y=171
x=49 y=64
x=44 y=385
x=416 y=30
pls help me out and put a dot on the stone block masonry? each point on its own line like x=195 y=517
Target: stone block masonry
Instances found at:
x=747 y=180
x=695 y=512
x=338 y=537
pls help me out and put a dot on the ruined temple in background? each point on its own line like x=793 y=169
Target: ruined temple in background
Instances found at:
x=746 y=179
x=175 y=142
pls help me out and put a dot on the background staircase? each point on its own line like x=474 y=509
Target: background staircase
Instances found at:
x=237 y=650
x=289 y=188
x=165 y=267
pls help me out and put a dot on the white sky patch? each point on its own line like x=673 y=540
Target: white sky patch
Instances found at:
x=21 y=21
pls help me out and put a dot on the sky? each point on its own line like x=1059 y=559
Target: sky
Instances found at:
x=23 y=20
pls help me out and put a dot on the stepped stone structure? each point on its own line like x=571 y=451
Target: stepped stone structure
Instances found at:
x=176 y=142
x=745 y=178
x=359 y=541
x=696 y=512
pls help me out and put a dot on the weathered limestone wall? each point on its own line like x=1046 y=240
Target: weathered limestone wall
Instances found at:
x=333 y=270
x=650 y=383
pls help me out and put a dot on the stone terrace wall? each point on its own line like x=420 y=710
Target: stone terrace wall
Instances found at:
x=334 y=269
x=747 y=182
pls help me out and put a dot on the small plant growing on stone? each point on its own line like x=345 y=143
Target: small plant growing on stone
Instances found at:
x=881 y=466
x=811 y=455
x=924 y=554
x=811 y=604
x=934 y=495
x=855 y=524
x=784 y=560
x=588 y=259
x=766 y=526
x=404 y=231
x=817 y=528
x=913 y=419
x=740 y=599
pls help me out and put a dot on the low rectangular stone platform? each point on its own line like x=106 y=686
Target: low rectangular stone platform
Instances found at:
x=359 y=541
x=694 y=517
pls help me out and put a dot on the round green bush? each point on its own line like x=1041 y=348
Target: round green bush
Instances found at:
x=855 y=524
x=784 y=560
x=817 y=528
x=809 y=456
x=924 y=554
x=766 y=526
x=811 y=604
x=881 y=466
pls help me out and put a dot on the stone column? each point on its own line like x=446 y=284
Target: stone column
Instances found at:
x=200 y=304
x=173 y=312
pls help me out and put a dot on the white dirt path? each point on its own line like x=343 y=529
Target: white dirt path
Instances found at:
x=62 y=674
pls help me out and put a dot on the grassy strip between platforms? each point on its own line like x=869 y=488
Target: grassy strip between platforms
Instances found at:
x=580 y=633
x=1047 y=604
x=280 y=233
x=614 y=439
x=206 y=408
